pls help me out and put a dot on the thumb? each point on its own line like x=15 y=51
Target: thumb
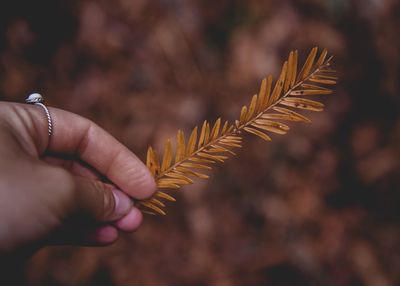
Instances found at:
x=100 y=201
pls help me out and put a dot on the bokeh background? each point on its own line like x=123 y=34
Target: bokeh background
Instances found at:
x=319 y=206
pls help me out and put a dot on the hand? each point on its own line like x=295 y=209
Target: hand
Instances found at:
x=75 y=188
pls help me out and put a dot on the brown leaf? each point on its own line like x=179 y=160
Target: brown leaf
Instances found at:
x=179 y=176
x=243 y=114
x=224 y=128
x=294 y=70
x=165 y=196
x=305 y=71
x=296 y=116
x=195 y=166
x=322 y=57
x=302 y=103
x=180 y=146
x=153 y=207
x=156 y=202
x=192 y=142
x=258 y=133
x=279 y=85
x=256 y=118
x=215 y=129
x=252 y=108
x=310 y=92
x=212 y=157
x=271 y=126
x=167 y=157
x=289 y=72
x=202 y=134
x=152 y=162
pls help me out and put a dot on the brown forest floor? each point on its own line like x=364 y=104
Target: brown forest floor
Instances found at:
x=319 y=206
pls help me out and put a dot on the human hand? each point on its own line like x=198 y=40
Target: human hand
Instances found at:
x=54 y=191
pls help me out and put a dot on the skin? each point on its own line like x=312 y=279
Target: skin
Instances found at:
x=74 y=188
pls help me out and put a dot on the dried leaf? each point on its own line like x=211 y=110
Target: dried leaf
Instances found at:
x=224 y=128
x=152 y=162
x=179 y=176
x=212 y=157
x=289 y=72
x=267 y=98
x=261 y=95
x=252 y=107
x=156 y=202
x=279 y=84
x=167 y=185
x=277 y=116
x=201 y=160
x=310 y=92
x=165 y=196
x=231 y=144
x=296 y=116
x=325 y=76
x=180 y=146
x=322 y=57
x=193 y=173
x=192 y=142
x=195 y=166
x=202 y=134
x=233 y=138
x=207 y=134
x=271 y=126
x=149 y=157
x=323 y=81
x=220 y=149
x=258 y=133
x=214 y=144
x=215 y=129
x=313 y=86
x=173 y=181
x=153 y=207
x=167 y=157
x=302 y=103
x=294 y=70
x=200 y=175
x=305 y=71
x=243 y=114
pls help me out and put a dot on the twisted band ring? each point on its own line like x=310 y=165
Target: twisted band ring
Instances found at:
x=37 y=99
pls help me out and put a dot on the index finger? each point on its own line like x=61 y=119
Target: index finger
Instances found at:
x=75 y=135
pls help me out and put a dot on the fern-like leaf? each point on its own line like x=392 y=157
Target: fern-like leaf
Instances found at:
x=263 y=116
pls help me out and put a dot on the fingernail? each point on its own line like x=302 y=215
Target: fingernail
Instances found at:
x=123 y=204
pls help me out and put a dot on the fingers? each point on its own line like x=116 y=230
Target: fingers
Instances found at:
x=96 y=212
x=105 y=234
x=104 y=203
x=131 y=221
x=53 y=195
x=74 y=134
x=78 y=136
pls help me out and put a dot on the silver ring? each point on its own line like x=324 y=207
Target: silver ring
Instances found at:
x=37 y=99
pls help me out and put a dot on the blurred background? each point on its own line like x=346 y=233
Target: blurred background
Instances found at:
x=319 y=206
